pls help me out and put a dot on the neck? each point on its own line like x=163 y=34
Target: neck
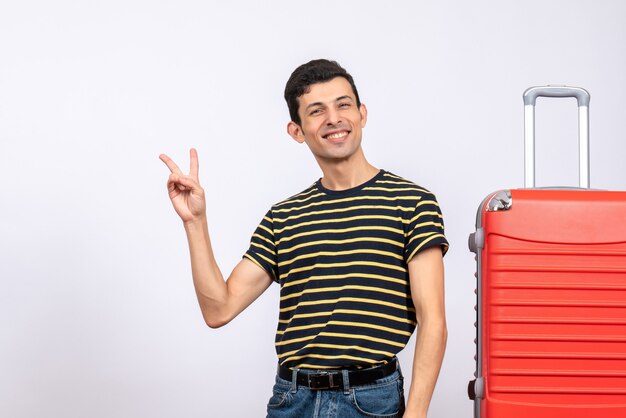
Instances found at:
x=346 y=174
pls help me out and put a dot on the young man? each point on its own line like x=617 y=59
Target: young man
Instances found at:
x=358 y=256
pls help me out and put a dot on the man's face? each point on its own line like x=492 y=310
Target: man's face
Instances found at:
x=331 y=120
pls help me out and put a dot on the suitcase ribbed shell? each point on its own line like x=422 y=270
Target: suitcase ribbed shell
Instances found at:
x=553 y=299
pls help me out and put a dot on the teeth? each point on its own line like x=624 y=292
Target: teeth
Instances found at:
x=337 y=135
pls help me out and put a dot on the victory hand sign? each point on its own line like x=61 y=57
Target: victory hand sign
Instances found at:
x=185 y=191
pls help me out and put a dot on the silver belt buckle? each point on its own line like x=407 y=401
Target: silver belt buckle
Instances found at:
x=321 y=380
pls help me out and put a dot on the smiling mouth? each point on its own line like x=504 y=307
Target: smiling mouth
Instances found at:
x=337 y=135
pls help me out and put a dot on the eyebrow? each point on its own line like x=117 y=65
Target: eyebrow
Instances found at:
x=336 y=100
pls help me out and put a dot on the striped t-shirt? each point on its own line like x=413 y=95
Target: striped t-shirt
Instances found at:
x=341 y=258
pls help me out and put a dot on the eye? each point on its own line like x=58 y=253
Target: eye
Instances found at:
x=315 y=112
x=344 y=105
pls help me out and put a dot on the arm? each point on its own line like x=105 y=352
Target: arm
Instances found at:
x=220 y=301
x=426 y=276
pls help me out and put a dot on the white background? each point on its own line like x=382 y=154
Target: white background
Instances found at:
x=98 y=316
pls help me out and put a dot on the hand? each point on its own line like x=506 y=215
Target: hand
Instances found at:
x=410 y=414
x=185 y=192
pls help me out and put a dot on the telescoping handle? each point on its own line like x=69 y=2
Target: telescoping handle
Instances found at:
x=530 y=98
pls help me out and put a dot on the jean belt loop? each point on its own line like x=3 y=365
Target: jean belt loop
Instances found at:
x=397 y=361
x=346 y=381
x=294 y=380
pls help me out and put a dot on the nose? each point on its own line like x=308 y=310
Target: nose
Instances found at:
x=333 y=117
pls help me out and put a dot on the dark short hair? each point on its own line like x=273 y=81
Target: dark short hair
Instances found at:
x=313 y=72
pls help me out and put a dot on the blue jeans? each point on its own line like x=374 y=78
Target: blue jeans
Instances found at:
x=383 y=398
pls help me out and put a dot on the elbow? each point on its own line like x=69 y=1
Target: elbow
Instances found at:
x=215 y=315
x=215 y=321
x=442 y=329
x=215 y=324
x=437 y=329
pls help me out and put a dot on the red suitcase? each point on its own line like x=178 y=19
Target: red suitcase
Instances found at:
x=551 y=293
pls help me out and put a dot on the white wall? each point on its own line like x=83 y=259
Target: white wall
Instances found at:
x=98 y=316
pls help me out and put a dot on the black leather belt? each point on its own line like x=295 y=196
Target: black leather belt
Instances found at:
x=333 y=379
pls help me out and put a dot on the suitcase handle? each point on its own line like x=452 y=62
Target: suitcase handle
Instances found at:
x=530 y=98
x=531 y=94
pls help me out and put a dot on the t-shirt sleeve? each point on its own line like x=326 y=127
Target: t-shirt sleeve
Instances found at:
x=425 y=228
x=262 y=249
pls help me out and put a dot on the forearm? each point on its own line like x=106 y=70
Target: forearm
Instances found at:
x=429 y=350
x=211 y=289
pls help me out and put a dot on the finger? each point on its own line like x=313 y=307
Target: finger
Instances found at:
x=174 y=185
x=170 y=164
x=182 y=182
x=193 y=170
x=172 y=188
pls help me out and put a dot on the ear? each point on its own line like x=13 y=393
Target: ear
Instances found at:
x=363 y=112
x=295 y=131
